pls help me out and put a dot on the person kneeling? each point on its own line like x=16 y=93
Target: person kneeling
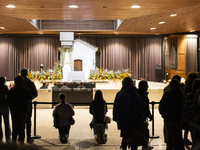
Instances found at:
x=98 y=109
x=62 y=113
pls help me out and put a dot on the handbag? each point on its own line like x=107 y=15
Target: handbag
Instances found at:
x=140 y=131
x=71 y=120
x=91 y=124
x=56 y=121
x=107 y=120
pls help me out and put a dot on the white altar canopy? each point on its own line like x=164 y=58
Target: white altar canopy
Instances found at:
x=84 y=52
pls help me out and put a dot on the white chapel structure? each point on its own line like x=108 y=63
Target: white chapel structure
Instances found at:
x=83 y=60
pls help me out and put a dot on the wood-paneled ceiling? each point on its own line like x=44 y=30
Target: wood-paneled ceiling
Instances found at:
x=99 y=16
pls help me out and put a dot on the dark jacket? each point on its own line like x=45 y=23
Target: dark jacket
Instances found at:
x=43 y=87
x=18 y=99
x=3 y=94
x=98 y=109
x=145 y=103
x=127 y=109
x=31 y=86
x=171 y=105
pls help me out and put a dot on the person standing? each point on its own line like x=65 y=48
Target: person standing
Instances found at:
x=191 y=76
x=63 y=111
x=33 y=94
x=175 y=77
x=188 y=114
x=18 y=101
x=170 y=108
x=142 y=90
x=98 y=109
x=127 y=112
x=167 y=88
x=4 y=111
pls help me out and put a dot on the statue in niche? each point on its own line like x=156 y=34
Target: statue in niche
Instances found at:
x=173 y=58
x=66 y=67
x=67 y=61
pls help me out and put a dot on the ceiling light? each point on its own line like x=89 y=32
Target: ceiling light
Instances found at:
x=192 y=36
x=135 y=6
x=2 y=28
x=73 y=6
x=162 y=22
x=192 y=31
x=153 y=28
x=10 y=6
x=173 y=15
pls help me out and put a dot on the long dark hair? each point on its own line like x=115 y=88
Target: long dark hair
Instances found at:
x=98 y=96
x=2 y=81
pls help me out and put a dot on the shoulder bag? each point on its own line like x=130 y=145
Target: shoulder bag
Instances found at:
x=71 y=119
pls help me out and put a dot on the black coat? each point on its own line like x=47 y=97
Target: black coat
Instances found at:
x=145 y=103
x=98 y=109
x=18 y=99
x=171 y=105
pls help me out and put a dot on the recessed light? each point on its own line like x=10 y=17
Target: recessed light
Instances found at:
x=73 y=6
x=153 y=28
x=192 y=36
x=173 y=15
x=192 y=31
x=162 y=22
x=10 y=6
x=2 y=28
x=135 y=6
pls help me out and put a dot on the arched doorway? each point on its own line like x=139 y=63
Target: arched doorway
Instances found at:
x=78 y=65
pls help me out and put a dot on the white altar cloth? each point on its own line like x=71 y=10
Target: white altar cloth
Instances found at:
x=76 y=76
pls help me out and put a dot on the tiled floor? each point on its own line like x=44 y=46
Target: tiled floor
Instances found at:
x=81 y=136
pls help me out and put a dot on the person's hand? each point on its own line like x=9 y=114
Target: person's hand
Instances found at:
x=151 y=118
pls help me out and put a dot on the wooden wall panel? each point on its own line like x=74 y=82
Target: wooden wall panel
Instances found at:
x=181 y=54
x=181 y=64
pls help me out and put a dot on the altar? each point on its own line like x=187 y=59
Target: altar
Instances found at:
x=76 y=76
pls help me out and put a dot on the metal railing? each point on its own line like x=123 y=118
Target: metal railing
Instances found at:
x=87 y=104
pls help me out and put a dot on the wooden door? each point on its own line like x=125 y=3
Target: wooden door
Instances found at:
x=77 y=65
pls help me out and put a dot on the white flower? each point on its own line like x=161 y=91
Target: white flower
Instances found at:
x=50 y=70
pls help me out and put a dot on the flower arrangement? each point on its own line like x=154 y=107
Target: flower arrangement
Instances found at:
x=110 y=75
x=49 y=74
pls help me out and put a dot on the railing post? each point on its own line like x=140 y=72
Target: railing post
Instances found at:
x=35 y=136
x=153 y=136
